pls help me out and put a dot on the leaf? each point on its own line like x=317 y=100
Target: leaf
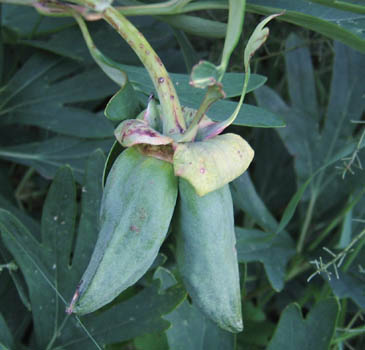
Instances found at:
x=108 y=66
x=31 y=224
x=113 y=154
x=249 y=115
x=274 y=251
x=40 y=93
x=204 y=74
x=51 y=279
x=256 y=40
x=299 y=67
x=247 y=199
x=151 y=342
x=209 y=165
x=123 y=105
x=317 y=148
x=291 y=207
x=6 y=339
x=23 y=20
x=349 y=285
x=1 y=48
x=196 y=25
x=188 y=51
x=313 y=333
x=49 y=155
x=189 y=328
x=232 y=83
x=345 y=26
x=236 y=15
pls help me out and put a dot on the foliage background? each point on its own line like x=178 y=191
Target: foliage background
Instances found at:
x=303 y=192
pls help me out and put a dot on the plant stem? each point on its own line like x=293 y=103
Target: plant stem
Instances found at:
x=172 y=117
x=307 y=221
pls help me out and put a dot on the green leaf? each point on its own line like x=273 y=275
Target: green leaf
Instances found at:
x=209 y=165
x=247 y=199
x=196 y=25
x=113 y=154
x=297 y=197
x=273 y=250
x=188 y=51
x=345 y=26
x=190 y=329
x=236 y=15
x=108 y=66
x=349 y=285
x=31 y=224
x=249 y=115
x=6 y=339
x=151 y=342
x=1 y=47
x=26 y=22
x=313 y=333
x=204 y=74
x=318 y=149
x=51 y=279
x=232 y=83
x=49 y=155
x=256 y=40
x=40 y=93
x=299 y=67
x=123 y=105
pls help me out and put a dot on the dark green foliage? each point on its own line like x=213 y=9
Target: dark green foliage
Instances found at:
x=303 y=192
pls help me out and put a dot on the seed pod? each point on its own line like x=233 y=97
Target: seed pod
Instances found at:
x=206 y=254
x=136 y=210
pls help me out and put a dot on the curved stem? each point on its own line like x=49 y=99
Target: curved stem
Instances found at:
x=172 y=117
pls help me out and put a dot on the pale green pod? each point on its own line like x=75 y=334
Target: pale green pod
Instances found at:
x=137 y=206
x=206 y=254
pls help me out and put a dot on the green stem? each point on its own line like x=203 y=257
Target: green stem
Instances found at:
x=172 y=117
x=307 y=221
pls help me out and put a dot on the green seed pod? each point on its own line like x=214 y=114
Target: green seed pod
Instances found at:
x=206 y=254
x=136 y=210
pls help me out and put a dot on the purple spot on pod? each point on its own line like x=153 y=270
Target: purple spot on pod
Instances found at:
x=161 y=80
x=134 y=228
x=202 y=170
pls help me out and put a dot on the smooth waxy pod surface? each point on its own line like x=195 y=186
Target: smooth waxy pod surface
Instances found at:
x=206 y=254
x=137 y=206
